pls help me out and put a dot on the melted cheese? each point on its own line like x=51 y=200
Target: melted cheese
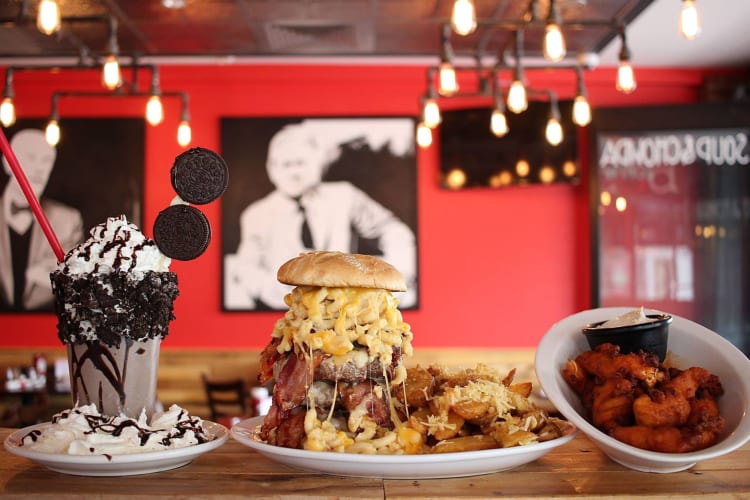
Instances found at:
x=358 y=325
x=333 y=320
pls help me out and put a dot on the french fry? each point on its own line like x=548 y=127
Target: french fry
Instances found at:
x=465 y=443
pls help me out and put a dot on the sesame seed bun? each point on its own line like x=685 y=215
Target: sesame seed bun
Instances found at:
x=337 y=269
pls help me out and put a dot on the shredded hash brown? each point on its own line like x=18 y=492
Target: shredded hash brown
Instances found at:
x=444 y=411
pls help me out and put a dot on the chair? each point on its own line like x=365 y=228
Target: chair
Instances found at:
x=228 y=400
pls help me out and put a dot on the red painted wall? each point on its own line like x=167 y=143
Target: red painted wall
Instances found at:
x=497 y=267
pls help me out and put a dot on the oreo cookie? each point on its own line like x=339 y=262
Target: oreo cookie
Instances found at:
x=199 y=176
x=182 y=232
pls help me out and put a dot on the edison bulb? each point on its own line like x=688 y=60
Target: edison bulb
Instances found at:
x=554 y=43
x=625 y=78
x=517 y=101
x=690 y=23
x=498 y=123
x=464 y=17
x=184 y=133
x=448 y=82
x=111 y=75
x=424 y=136
x=48 y=17
x=52 y=133
x=431 y=113
x=7 y=112
x=553 y=132
x=154 y=110
x=581 y=111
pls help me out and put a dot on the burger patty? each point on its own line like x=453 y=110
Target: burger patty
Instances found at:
x=350 y=381
x=352 y=395
x=356 y=368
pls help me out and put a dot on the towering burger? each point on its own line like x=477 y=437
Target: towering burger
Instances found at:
x=336 y=355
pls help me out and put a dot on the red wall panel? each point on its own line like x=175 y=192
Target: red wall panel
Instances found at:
x=497 y=267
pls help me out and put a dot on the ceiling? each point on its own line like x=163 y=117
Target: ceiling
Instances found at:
x=221 y=30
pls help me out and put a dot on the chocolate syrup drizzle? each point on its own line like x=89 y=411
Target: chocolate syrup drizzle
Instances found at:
x=105 y=362
x=122 y=236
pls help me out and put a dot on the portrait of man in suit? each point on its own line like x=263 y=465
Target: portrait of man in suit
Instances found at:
x=26 y=258
x=328 y=184
x=94 y=172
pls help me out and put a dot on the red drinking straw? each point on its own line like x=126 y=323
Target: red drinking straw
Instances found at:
x=41 y=217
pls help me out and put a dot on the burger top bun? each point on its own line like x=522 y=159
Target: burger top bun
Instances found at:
x=337 y=269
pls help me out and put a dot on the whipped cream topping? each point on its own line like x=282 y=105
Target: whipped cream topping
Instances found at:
x=115 y=246
x=84 y=431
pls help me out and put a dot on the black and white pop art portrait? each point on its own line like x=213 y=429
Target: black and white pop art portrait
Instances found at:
x=344 y=184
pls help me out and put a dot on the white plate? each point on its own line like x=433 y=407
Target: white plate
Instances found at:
x=117 y=465
x=690 y=344
x=468 y=463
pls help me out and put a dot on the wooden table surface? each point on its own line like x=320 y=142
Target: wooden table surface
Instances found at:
x=577 y=469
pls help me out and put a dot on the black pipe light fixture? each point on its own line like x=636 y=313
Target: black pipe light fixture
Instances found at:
x=49 y=21
x=514 y=90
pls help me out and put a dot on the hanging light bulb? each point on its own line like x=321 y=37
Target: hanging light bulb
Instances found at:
x=517 y=100
x=448 y=81
x=7 y=108
x=553 y=132
x=111 y=74
x=431 y=113
x=499 y=123
x=581 y=111
x=690 y=22
x=48 y=17
x=154 y=107
x=424 y=136
x=52 y=132
x=154 y=110
x=625 y=76
x=554 y=43
x=7 y=112
x=581 y=108
x=498 y=120
x=184 y=133
x=464 y=17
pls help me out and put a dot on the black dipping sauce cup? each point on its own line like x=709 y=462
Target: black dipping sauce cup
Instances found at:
x=650 y=337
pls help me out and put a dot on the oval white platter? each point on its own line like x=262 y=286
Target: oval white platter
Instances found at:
x=426 y=466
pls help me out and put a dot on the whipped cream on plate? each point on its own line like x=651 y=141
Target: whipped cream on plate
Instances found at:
x=84 y=431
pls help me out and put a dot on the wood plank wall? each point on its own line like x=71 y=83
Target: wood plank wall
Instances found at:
x=180 y=370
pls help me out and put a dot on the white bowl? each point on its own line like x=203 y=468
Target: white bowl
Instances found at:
x=690 y=344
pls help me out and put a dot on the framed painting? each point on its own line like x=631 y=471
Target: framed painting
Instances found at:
x=670 y=213
x=301 y=184
x=95 y=172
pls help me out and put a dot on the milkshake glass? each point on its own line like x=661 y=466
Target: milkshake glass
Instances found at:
x=114 y=300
